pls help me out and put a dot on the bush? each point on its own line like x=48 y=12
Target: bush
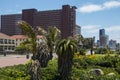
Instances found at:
x=14 y=73
x=105 y=64
x=101 y=51
x=108 y=61
x=50 y=72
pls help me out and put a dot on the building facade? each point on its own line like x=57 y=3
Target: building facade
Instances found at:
x=6 y=43
x=78 y=30
x=9 y=24
x=118 y=47
x=64 y=19
x=102 y=32
x=9 y=43
x=112 y=45
x=18 y=39
x=103 y=38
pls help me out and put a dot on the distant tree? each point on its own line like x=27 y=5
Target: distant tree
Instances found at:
x=23 y=47
x=20 y=49
x=88 y=44
x=108 y=52
x=101 y=51
x=80 y=41
x=91 y=45
x=79 y=38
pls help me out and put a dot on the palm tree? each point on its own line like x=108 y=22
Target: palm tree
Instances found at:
x=52 y=35
x=65 y=50
x=80 y=40
x=30 y=32
x=88 y=43
x=34 y=67
x=42 y=54
x=91 y=45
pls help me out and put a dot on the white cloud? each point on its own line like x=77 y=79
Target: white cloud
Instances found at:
x=113 y=28
x=95 y=7
x=90 y=8
x=111 y=4
x=91 y=28
x=113 y=32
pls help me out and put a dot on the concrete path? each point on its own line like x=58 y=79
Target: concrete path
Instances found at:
x=10 y=60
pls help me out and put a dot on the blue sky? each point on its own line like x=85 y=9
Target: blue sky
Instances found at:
x=92 y=15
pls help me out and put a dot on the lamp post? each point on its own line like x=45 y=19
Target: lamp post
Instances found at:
x=91 y=46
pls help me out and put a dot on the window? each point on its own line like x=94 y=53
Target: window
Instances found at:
x=5 y=41
x=9 y=41
x=13 y=42
x=1 y=41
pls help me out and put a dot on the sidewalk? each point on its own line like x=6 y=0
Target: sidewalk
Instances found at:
x=10 y=60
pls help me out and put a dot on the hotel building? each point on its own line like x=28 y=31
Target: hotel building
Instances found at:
x=64 y=19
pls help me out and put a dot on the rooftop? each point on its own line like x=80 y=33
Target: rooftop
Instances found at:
x=4 y=36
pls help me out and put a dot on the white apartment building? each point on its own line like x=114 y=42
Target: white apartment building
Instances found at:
x=6 y=43
x=20 y=38
x=9 y=43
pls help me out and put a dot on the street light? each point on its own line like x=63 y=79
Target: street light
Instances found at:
x=80 y=46
x=80 y=43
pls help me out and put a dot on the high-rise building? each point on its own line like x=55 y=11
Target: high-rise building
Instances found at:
x=64 y=19
x=103 y=38
x=0 y=23
x=98 y=43
x=112 y=45
x=102 y=32
x=118 y=46
x=9 y=24
x=78 y=30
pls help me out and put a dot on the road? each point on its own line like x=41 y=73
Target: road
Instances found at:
x=10 y=60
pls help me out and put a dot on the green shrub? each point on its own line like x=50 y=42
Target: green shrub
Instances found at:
x=14 y=73
x=118 y=70
x=105 y=64
x=50 y=72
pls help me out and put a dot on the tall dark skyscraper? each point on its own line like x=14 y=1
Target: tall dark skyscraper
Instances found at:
x=103 y=38
x=64 y=19
x=102 y=32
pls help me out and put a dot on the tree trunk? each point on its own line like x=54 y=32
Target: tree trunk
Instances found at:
x=91 y=51
x=65 y=66
x=34 y=70
x=51 y=55
x=43 y=58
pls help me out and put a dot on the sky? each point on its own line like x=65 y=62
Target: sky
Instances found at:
x=91 y=15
